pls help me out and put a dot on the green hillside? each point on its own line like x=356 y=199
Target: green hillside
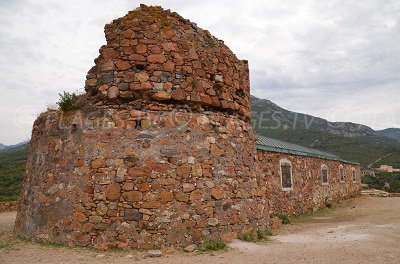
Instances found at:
x=12 y=166
x=360 y=149
x=350 y=141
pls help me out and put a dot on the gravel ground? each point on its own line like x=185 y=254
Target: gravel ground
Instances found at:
x=363 y=230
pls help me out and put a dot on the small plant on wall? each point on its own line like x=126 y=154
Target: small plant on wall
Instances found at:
x=67 y=101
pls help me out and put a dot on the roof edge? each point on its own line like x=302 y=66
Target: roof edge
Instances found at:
x=302 y=153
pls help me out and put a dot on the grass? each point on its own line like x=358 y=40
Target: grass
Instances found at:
x=284 y=218
x=302 y=218
x=5 y=245
x=212 y=245
x=194 y=83
x=255 y=235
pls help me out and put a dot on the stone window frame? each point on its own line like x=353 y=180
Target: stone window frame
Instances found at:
x=324 y=166
x=353 y=175
x=286 y=161
x=341 y=169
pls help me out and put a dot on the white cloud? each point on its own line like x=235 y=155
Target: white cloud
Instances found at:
x=334 y=59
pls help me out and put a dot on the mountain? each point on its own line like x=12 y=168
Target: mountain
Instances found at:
x=351 y=141
x=393 y=133
x=11 y=147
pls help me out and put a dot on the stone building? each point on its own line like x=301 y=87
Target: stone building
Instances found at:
x=160 y=150
x=300 y=180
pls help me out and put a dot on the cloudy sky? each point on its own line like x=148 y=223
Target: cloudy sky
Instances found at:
x=338 y=60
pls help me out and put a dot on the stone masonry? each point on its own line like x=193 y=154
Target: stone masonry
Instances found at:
x=160 y=152
x=308 y=193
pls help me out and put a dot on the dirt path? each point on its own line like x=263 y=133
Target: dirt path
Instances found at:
x=364 y=230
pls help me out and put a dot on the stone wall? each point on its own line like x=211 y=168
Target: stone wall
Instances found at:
x=8 y=206
x=308 y=193
x=128 y=178
x=155 y=58
x=160 y=151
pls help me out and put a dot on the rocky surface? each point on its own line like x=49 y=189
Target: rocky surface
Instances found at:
x=129 y=178
x=156 y=58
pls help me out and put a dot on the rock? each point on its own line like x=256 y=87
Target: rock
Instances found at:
x=158 y=86
x=145 y=123
x=123 y=86
x=141 y=48
x=98 y=163
x=161 y=96
x=169 y=152
x=113 y=192
x=122 y=65
x=188 y=187
x=113 y=92
x=178 y=95
x=197 y=171
x=142 y=77
x=217 y=194
x=213 y=222
x=183 y=171
x=181 y=197
x=190 y=248
x=133 y=196
x=196 y=195
x=218 y=78
x=156 y=58
x=133 y=215
x=169 y=66
x=108 y=77
x=154 y=254
x=166 y=196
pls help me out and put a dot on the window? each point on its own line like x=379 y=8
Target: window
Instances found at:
x=286 y=174
x=353 y=174
x=341 y=173
x=324 y=174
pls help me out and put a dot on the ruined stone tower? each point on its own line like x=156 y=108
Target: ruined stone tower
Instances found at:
x=160 y=151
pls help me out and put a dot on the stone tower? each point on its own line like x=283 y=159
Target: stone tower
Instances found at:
x=160 y=151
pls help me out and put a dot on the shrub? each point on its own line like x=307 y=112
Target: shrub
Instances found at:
x=212 y=245
x=255 y=235
x=249 y=236
x=285 y=219
x=67 y=101
x=263 y=233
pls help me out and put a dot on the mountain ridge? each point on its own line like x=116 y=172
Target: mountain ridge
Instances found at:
x=392 y=132
x=348 y=140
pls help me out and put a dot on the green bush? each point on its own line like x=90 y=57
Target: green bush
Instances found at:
x=285 y=219
x=255 y=235
x=67 y=101
x=249 y=236
x=381 y=178
x=263 y=233
x=213 y=245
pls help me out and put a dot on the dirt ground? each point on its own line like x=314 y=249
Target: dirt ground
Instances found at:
x=364 y=230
